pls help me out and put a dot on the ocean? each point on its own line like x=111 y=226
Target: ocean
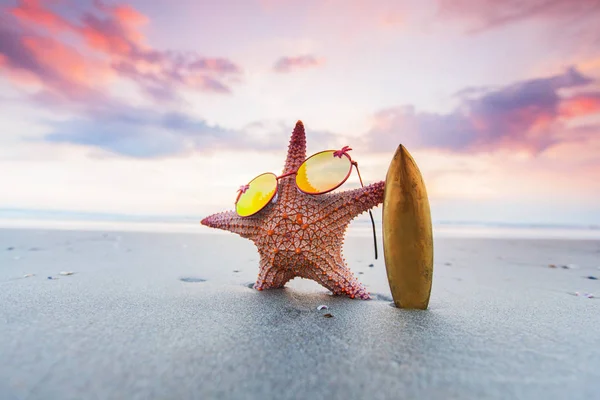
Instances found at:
x=360 y=227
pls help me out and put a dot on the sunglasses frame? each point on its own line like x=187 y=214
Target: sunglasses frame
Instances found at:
x=341 y=153
x=241 y=191
x=336 y=153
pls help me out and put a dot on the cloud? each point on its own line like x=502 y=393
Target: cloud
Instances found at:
x=288 y=64
x=46 y=63
x=581 y=104
x=142 y=133
x=487 y=14
x=69 y=64
x=138 y=135
x=31 y=11
x=573 y=24
x=145 y=133
x=104 y=43
x=529 y=116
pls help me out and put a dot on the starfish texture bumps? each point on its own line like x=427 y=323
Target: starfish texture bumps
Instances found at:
x=301 y=235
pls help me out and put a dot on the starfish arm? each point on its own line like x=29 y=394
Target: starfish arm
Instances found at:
x=345 y=206
x=246 y=227
x=296 y=149
x=336 y=277
x=269 y=275
x=295 y=157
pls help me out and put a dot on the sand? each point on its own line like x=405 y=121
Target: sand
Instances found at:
x=171 y=316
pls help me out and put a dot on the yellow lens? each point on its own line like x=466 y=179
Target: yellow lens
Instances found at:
x=259 y=193
x=323 y=172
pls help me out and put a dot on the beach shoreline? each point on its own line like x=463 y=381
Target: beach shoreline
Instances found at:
x=360 y=228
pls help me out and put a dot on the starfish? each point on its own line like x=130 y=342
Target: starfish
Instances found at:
x=301 y=235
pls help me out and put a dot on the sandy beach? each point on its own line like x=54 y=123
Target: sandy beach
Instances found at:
x=148 y=315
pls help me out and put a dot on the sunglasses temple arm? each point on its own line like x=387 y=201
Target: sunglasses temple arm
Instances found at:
x=370 y=213
x=374 y=236
x=358 y=172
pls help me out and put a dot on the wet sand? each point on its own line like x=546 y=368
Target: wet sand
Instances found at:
x=172 y=316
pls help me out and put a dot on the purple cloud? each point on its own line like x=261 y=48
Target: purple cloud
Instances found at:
x=527 y=115
x=144 y=133
x=288 y=64
x=580 y=15
x=73 y=61
x=32 y=42
x=138 y=133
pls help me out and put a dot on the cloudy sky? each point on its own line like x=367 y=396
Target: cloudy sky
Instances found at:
x=166 y=108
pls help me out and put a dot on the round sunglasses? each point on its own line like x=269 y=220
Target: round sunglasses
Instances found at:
x=318 y=174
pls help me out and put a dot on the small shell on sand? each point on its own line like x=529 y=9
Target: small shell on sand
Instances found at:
x=322 y=307
x=65 y=273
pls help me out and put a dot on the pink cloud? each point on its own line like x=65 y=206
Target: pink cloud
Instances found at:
x=115 y=31
x=46 y=63
x=527 y=116
x=486 y=14
x=70 y=63
x=110 y=36
x=288 y=64
x=580 y=105
x=32 y=12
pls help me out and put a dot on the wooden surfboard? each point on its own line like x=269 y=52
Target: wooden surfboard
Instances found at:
x=407 y=233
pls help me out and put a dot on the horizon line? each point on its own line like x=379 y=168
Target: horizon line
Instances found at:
x=91 y=216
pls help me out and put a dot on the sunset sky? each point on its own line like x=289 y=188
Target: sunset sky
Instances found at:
x=167 y=107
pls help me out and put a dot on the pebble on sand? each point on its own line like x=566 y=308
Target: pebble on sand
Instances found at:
x=570 y=266
x=65 y=273
x=191 y=279
x=328 y=315
x=588 y=295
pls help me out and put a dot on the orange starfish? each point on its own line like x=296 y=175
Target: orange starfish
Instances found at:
x=301 y=235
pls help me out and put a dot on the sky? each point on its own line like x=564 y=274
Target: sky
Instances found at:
x=166 y=108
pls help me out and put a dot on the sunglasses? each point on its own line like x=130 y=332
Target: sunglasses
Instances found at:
x=318 y=174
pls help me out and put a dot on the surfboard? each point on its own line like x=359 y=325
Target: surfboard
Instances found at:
x=407 y=233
